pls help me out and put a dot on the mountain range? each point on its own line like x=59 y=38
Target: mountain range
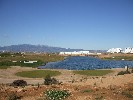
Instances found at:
x=39 y=48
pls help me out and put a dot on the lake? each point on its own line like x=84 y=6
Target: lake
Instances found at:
x=86 y=63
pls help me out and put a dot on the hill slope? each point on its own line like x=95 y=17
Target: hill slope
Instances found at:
x=34 y=48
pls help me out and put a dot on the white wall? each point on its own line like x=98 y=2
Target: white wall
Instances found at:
x=119 y=50
x=74 y=53
x=115 y=50
x=128 y=50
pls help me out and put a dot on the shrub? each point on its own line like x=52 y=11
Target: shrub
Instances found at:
x=49 y=81
x=123 y=72
x=56 y=94
x=4 y=67
x=127 y=94
x=132 y=70
x=54 y=81
x=13 y=96
x=19 y=83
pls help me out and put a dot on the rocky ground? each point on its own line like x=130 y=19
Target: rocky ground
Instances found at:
x=108 y=87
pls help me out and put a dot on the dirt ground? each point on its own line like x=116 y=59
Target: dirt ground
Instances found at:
x=108 y=87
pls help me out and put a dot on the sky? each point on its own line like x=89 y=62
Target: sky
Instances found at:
x=77 y=24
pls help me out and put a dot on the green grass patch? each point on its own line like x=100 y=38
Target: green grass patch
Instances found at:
x=4 y=67
x=42 y=57
x=93 y=72
x=18 y=63
x=38 y=73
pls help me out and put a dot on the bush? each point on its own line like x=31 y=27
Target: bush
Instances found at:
x=56 y=94
x=49 y=81
x=132 y=70
x=54 y=81
x=19 y=83
x=4 y=67
x=123 y=72
x=127 y=94
x=13 y=96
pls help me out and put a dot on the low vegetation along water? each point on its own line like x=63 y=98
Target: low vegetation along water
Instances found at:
x=87 y=63
x=38 y=73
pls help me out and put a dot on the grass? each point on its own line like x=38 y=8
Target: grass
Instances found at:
x=42 y=57
x=38 y=73
x=93 y=72
x=130 y=58
x=4 y=67
x=18 y=63
x=7 y=58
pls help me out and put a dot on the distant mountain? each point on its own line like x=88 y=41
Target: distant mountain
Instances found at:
x=35 y=48
x=40 y=48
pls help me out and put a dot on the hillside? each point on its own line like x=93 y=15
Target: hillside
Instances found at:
x=34 y=48
x=40 y=48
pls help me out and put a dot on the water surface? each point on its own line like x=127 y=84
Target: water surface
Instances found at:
x=86 y=63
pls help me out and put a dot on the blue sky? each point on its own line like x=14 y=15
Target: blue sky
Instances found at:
x=82 y=24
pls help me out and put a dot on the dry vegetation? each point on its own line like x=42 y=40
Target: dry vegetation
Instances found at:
x=79 y=87
x=116 y=56
x=7 y=59
x=76 y=92
x=30 y=56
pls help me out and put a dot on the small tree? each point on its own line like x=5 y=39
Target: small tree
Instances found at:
x=49 y=81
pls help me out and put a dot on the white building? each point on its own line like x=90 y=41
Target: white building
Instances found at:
x=30 y=62
x=84 y=52
x=75 y=53
x=115 y=50
x=128 y=50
